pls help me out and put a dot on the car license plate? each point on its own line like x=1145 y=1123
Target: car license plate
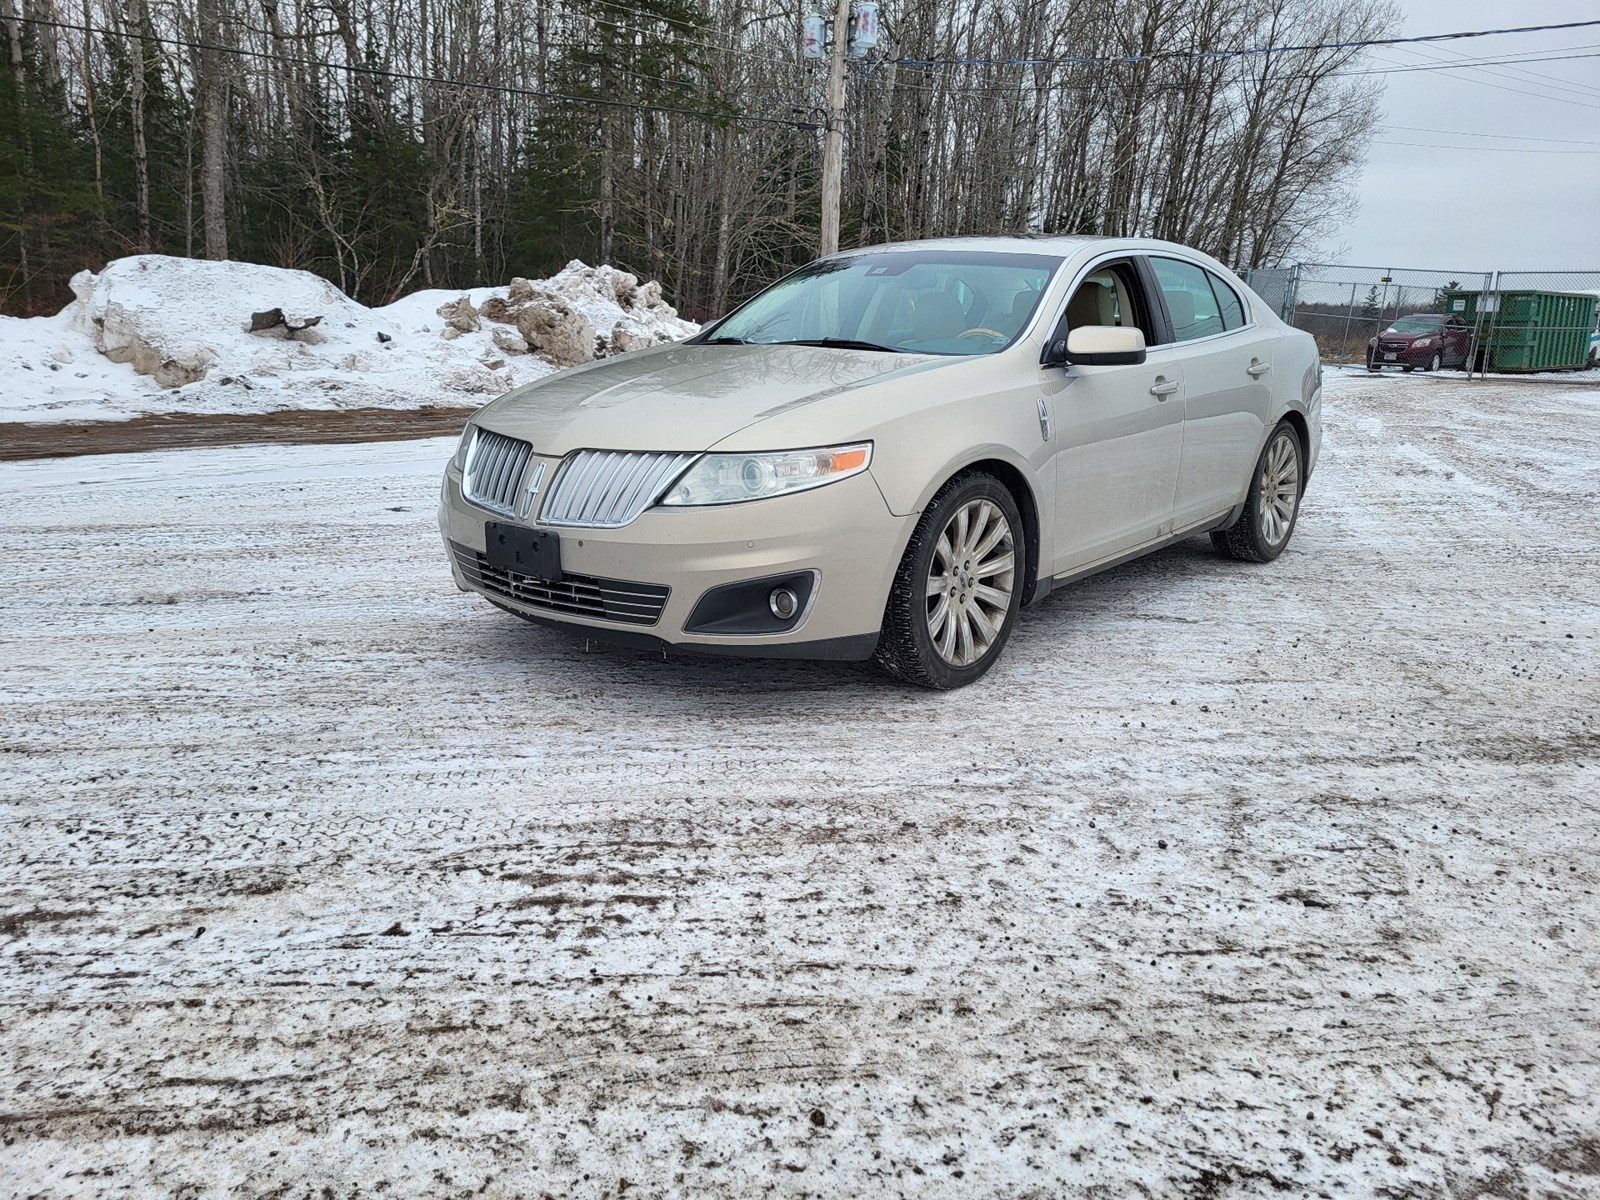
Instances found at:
x=1390 y=357
x=532 y=552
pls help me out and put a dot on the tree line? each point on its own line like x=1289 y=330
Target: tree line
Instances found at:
x=390 y=145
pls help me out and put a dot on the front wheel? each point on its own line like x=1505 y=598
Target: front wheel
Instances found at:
x=956 y=594
x=1436 y=361
x=1273 y=504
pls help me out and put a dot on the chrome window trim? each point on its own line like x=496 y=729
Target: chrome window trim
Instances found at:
x=1249 y=308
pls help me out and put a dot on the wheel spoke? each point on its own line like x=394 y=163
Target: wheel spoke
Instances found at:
x=995 y=566
x=942 y=551
x=994 y=535
x=982 y=626
x=980 y=522
x=945 y=638
x=938 y=585
x=993 y=597
x=964 y=653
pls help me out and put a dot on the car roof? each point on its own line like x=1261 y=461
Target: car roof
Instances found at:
x=1063 y=245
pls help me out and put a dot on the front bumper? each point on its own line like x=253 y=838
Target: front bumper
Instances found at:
x=1405 y=354
x=844 y=532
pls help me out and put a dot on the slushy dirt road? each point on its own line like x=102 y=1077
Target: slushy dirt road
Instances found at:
x=319 y=878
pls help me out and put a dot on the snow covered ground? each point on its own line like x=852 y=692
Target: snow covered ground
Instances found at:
x=180 y=328
x=1229 y=881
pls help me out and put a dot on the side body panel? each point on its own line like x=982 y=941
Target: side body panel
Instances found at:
x=1118 y=446
x=1228 y=411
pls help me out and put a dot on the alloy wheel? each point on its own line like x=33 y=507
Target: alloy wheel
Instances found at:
x=970 y=582
x=1279 y=490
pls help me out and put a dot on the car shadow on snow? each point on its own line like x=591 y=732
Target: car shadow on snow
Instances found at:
x=539 y=656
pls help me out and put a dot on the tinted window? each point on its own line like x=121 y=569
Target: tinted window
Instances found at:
x=1228 y=301
x=922 y=301
x=1191 y=303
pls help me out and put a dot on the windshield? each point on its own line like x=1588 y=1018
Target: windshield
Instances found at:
x=916 y=301
x=1416 y=324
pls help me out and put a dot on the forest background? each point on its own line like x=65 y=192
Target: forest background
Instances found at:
x=390 y=145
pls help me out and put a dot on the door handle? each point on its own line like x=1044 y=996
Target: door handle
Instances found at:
x=1257 y=368
x=1162 y=388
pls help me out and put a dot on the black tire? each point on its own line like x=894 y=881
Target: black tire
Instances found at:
x=1371 y=364
x=1435 y=362
x=1245 y=539
x=906 y=646
x=1408 y=368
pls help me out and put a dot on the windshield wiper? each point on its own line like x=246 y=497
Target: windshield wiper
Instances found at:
x=724 y=341
x=841 y=344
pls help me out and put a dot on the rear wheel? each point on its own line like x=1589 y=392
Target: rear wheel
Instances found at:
x=956 y=594
x=1273 y=504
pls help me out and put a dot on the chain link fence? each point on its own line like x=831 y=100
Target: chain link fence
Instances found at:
x=1479 y=321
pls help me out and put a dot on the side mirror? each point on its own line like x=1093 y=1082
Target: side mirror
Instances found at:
x=1099 y=346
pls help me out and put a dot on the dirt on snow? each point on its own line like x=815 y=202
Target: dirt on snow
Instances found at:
x=318 y=877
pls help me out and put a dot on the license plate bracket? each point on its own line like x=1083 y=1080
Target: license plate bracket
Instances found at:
x=535 y=553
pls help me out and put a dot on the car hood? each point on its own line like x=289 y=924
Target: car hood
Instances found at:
x=684 y=397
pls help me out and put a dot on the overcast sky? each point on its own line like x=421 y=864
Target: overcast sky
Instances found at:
x=1495 y=205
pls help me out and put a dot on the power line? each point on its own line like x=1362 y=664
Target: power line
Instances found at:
x=1514 y=137
x=1479 y=149
x=1521 y=91
x=437 y=81
x=1515 y=73
x=1472 y=64
x=1357 y=44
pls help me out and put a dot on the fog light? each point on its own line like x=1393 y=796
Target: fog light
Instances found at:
x=783 y=604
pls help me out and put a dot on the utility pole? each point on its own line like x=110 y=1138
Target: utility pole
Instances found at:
x=833 y=132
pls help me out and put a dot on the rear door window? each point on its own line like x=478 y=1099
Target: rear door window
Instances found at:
x=1228 y=301
x=1191 y=304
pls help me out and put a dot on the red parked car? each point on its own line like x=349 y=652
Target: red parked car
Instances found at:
x=1425 y=340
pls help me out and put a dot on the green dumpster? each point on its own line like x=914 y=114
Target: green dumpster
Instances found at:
x=1527 y=331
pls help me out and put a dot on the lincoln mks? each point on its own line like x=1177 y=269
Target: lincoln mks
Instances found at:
x=887 y=453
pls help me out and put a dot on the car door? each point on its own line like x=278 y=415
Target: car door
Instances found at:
x=1457 y=342
x=1227 y=371
x=1117 y=431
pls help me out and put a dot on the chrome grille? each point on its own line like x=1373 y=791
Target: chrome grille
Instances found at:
x=493 y=474
x=607 y=488
x=576 y=595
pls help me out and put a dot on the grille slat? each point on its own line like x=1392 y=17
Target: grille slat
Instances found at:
x=494 y=470
x=638 y=475
x=502 y=468
x=576 y=595
x=609 y=488
x=607 y=491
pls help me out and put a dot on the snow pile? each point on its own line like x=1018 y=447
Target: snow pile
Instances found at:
x=156 y=334
x=574 y=316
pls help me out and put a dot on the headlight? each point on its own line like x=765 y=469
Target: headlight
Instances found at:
x=460 y=456
x=1422 y=343
x=731 y=478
